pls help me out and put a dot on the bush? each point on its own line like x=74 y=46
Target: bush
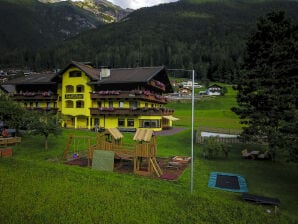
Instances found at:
x=212 y=148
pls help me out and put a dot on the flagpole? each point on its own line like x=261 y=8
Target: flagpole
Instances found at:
x=192 y=131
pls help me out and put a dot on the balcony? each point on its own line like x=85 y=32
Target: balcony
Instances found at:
x=47 y=109
x=132 y=111
x=157 y=84
x=135 y=95
x=46 y=95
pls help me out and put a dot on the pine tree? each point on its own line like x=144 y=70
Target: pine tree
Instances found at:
x=267 y=90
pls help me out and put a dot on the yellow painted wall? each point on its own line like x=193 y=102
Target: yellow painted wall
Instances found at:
x=108 y=122
x=75 y=81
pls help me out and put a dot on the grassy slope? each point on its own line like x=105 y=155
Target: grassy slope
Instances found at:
x=210 y=112
x=36 y=188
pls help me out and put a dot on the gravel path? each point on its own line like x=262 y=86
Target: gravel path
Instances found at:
x=169 y=132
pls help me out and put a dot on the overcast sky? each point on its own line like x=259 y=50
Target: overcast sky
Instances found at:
x=135 y=4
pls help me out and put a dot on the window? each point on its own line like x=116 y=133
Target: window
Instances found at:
x=110 y=104
x=121 y=104
x=130 y=122
x=133 y=104
x=69 y=89
x=74 y=74
x=69 y=104
x=150 y=123
x=37 y=104
x=99 y=103
x=48 y=105
x=146 y=105
x=80 y=104
x=80 y=88
x=121 y=122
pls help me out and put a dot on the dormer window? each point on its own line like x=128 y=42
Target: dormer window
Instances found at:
x=74 y=74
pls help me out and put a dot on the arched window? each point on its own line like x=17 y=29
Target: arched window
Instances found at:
x=80 y=88
x=69 y=89
x=80 y=104
x=69 y=104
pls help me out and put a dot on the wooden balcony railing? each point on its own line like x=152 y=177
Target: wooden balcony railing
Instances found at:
x=157 y=84
x=34 y=96
x=132 y=111
x=135 y=95
x=54 y=110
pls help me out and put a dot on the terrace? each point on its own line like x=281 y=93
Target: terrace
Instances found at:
x=53 y=109
x=132 y=111
x=39 y=95
x=135 y=94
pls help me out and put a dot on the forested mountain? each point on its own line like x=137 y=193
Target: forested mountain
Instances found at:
x=208 y=35
x=27 y=25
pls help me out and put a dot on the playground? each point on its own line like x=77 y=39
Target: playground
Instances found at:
x=108 y=152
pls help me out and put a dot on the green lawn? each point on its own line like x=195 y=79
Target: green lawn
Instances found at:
x=36 y=187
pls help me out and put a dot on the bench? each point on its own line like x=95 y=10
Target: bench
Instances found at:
x=260 y=199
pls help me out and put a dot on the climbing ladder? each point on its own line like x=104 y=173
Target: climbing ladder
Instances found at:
x=156 y=166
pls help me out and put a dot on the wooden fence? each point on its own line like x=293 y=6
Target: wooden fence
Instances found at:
x=10 y=141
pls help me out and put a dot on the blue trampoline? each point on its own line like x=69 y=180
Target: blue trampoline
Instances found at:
x=227 y=181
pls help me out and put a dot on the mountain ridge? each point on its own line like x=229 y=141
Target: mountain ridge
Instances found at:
x=31 y=24
x=206 y=35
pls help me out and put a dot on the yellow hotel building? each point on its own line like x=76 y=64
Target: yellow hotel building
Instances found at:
x=88 y=97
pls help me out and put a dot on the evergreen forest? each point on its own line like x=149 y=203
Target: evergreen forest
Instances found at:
x=208 y=36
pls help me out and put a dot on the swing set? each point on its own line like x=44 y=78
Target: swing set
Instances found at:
x=77 y=147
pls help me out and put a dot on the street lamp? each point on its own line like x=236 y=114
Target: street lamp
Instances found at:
x=192 y=124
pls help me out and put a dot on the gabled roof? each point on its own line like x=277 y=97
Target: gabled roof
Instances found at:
x=34 y=78
x=214 y=86
x=115 y=133
x=130 y=75
x=143 y=135
x=121 y=75
x=92 y=73
x=7 y=88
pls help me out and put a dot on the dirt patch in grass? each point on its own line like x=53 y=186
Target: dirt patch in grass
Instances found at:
x=171 y=171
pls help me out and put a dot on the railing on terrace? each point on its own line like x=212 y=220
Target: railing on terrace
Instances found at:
x=34 y=95
x=42 y=109
x=157 y=84
x=136 y=94
x=132 y=111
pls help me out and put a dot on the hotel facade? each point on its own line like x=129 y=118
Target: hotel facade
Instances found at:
x=88 y=98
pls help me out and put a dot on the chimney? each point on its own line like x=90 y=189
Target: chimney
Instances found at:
x=105 y=73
